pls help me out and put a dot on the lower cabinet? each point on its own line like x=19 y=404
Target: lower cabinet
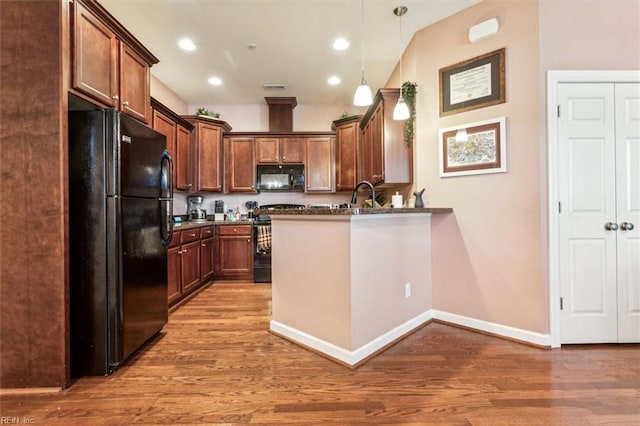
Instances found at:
x=174 y=287
x=199 y=255
x=235 y=252
x=207 y=254
x=190 y=260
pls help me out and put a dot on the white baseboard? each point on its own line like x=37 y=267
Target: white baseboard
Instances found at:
x=527 y=336
x=346 y=356
x=355 y=356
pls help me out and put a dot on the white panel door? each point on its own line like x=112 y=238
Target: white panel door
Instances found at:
x=587 y=196
x=627 y=98
x=599 y=192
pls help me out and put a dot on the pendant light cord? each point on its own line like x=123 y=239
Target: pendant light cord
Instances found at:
x=401 y=56
x=362 y=39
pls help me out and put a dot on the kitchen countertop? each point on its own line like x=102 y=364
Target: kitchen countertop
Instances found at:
x=354 y=211
x=191 y=224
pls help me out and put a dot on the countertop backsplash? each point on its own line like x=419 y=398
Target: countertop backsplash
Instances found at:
x=238 y=200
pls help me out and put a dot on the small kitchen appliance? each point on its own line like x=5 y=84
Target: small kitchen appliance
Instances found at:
x=218 y=210
x=194 y=208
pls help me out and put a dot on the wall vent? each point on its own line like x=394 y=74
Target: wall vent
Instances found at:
x=273 y=86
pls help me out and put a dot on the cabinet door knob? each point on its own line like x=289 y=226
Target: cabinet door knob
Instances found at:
x=627 y=226
x=125 y=103
x=180 y=252
x=610 y=226
x=184 y=250
x=115 y=97
x=284 y=157
x=249 y=240
x=193 y=235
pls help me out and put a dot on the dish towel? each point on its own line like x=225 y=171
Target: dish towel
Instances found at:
x=263 y=244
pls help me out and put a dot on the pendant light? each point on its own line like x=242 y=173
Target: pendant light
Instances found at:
x=363 y=96
x=401 y=110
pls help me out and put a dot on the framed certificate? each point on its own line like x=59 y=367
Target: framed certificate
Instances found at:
x=472 y=84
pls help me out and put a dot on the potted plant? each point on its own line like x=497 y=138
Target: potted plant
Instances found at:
x=409 y=95
x=203 y=112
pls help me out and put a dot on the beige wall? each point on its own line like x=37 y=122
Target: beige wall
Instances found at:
x=341 y=279
x=255 y=117
x=490 y=256
x=168 y=97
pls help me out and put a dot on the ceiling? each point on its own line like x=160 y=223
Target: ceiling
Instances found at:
x=293 y=44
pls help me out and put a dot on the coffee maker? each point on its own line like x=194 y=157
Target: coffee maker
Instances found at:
x=194 y=208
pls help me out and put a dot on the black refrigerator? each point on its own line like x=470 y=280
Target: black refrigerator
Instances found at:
x=120 y=207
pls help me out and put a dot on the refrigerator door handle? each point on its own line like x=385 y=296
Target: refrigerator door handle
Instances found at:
x=165 y=160
x=166 y=227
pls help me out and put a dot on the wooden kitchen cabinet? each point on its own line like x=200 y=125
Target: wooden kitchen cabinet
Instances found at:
x=174 y=281
x=206 y=144
x=190 y=260
x=239 y=165
x=279 y=150
x=109 y=65
x=165 y=125
x=320 y=164
x=183 y=162
x=177 y=131
x=207 y=254
x=347 y=142
x=385 y=159
x=235 y=252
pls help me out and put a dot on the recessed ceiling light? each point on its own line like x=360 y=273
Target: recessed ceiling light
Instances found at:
x=215 y=81
x=333 y=80
x=340 y=44
x=187 y=44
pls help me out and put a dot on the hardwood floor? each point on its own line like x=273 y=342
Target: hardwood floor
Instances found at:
x=216 y=362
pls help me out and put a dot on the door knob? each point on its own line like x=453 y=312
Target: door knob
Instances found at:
x=627 y=226
x=610 y=226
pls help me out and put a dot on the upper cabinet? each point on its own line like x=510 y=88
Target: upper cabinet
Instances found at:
x=206 y=145
x=320 y=164
x=385 y=160
x=109 y=65
x=347 y=140
x=239 y=165
x=279 y=150
x=178 y=133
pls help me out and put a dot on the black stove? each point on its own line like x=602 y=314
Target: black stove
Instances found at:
x=262 y=241
x=263 y=218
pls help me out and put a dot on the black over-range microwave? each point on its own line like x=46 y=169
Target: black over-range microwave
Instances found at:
x=276 y=177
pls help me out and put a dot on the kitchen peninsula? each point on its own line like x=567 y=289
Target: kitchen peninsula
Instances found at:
x=349 y=282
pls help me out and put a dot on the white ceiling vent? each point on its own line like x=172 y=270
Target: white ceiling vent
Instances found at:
x=273 y=86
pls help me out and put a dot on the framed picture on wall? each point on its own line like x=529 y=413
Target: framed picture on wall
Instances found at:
x=474 y=148
x=475 y=83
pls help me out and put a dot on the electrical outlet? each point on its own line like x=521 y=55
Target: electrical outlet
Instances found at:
x=407 y=289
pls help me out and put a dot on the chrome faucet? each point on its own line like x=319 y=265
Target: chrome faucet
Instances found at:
x=354 y=197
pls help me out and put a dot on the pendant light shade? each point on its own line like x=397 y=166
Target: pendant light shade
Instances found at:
x=401 y=110
x=363 y=96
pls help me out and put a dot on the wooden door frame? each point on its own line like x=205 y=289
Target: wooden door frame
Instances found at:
x=554 y=79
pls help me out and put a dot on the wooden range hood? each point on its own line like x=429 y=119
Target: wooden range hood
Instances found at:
x=281 y=113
